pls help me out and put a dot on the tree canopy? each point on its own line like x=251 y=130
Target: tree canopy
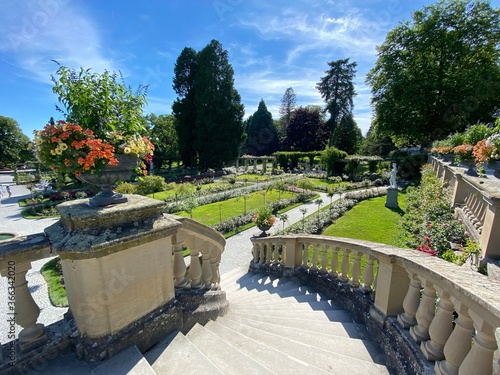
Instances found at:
x=438 y=72
x=13 y=143
x=208 y=109
x=306 y=131
x=165 y=139
x=262 y=136
x=337 y=90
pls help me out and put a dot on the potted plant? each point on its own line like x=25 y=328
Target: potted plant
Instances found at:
x=464 y=155
x=264 y=219
x=487 y=152
x=103 y=137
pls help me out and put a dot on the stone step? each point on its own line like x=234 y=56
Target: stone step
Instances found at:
x=270 y=287
x=276 y=301
x=223 y=355
x=314 y=355
x=296 y=312
x=362 y=349
x=352 y=330
x=128 y=362
x=271 y=358
x=292 y=290
x=177 y=355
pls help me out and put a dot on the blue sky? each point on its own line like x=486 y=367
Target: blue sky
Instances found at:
x=272 y=45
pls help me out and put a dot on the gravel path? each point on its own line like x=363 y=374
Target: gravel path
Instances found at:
x=237 y=252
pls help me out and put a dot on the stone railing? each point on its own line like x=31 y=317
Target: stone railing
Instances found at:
x=429 y=315
x=477 y=201
x=125 y=277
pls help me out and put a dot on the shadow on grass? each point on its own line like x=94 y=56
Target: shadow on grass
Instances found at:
x=397 y=210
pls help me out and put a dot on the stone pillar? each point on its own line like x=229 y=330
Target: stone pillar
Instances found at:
x=490 y=234
x=291 y=254
x=391 y=287
x=264 y=165
x=118 y=270
x=425 y=312
x=459 y=190
x=411 y=302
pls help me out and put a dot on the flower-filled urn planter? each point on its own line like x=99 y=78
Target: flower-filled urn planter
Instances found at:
x=102 y=140
x=264 y=219
x=110 y=176
x=487 y=152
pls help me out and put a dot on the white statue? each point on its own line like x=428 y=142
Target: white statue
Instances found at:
x=392 y=181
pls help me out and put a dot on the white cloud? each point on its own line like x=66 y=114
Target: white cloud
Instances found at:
x=33 y=33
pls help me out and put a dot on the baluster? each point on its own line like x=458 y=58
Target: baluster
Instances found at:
x=425 y=313
x=344 y=266
x=269 y=252
x=206 y=269
x=479 y=360
x=262 y=256
x=334 y=265
x=411 y=302
x=305 y=255
x=459 y=343
x=368 y=276
x=180 y=280
x=195 y=266
x=440 y=328
x=214 y=264
x=324 y=259
x=255 y=253
x=277 y=252
x=315 y=257
x=26 y=311
x=356 y=269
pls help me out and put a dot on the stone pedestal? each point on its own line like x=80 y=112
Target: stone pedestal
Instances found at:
x=117 y=267
x=391 y=200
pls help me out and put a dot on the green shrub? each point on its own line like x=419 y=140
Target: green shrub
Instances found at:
x=331 y=160
x=151 y=184
x=126 y=188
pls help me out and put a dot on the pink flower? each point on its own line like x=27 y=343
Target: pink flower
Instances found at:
x=443 y=225
x=466 y=234
x=429 y=225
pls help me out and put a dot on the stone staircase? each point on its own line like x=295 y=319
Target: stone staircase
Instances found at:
x=272 y=327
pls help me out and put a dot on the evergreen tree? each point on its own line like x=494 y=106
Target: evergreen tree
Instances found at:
x=262 y=136
x=306 y=131
x=337 y=89
x=183 y=107
x=208 y=109
x=347 y=135
x=219 y=112
x=288 y=102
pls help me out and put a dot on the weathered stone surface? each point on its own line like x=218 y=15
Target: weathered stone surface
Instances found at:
x=87 y=232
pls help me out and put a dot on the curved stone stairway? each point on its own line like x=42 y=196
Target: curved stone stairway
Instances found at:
x=272 y=327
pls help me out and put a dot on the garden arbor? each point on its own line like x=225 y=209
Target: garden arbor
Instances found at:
x=255 y=160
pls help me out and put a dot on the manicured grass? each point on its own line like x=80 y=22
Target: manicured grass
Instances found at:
x=162 y=195
x=370 y=220
x=325 y=184
x=212 y=213
x=52 y=273
x=252 y=177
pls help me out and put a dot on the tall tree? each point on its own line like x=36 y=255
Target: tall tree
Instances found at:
x=208 y=108
x=438 y=72
x=288 y=103
x=347 y=135
x=13 y=143
x=184 y=108
x=219 y=112
x=375 y=144
x=337 y=90
x=262 y=136
x=163 y=135
x=306 y=131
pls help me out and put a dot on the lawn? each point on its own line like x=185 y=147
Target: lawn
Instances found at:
x=369 y=220
x=52 y=273
x=212 y=213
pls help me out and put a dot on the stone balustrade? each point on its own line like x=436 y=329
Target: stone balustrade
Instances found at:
x=125 y=277
x=476 y=201
x=446 y=314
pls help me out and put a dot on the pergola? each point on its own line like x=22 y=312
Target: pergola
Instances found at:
x=254 y=160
